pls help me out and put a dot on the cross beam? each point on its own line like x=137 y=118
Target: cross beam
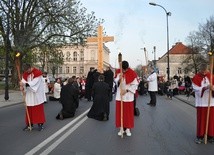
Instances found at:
x=100 y=39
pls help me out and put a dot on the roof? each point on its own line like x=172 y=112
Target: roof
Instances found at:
x=180 y=48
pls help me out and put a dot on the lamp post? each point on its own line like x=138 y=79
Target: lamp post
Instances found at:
x=167 y=31
x=154 y=57
x=146 y=54
x=7 y=46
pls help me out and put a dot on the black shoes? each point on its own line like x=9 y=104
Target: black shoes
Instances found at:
x=59 y=116
x=211 y=140
x=199 y=140
x=28 y=128
x=40 y=127
x=152 y=105
x=105 y=117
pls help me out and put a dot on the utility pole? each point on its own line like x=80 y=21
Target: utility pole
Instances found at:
x=6 y=97
x=154 y=57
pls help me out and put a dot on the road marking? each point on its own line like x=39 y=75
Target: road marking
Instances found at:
x=49 y=139
x=62 y=138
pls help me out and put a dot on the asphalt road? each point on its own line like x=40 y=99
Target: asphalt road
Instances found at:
x=169 y=128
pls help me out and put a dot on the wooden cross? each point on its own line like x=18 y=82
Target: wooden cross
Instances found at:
x=100 y=39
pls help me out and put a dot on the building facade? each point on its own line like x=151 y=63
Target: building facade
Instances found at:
x=177 y=54
x=78 y=60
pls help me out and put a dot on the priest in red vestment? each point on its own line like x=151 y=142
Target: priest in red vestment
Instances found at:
x=201 y=85
x=129 y=83
x=33 y=86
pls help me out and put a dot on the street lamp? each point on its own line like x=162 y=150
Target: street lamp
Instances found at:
x=7 y=46
x=167 y=29
x=146 y=55
x=154 y=57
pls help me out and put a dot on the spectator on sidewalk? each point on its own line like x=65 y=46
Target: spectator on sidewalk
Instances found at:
x=170 y=88
x=46 y=84
x=82 y=89
x=188 y=84
x=56 y=90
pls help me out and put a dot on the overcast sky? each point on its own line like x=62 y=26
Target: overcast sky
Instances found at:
x=135 y=24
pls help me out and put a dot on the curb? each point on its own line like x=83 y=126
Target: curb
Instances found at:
x=10 y=105
x=185 y=101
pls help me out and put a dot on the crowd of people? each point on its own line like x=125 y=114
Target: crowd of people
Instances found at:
x=175 y=86
x=99 y=88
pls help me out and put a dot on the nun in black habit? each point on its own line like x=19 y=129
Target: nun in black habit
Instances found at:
x=100 y=107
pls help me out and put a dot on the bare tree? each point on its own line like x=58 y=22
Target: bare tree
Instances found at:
x=197 y=55
x=27 y=24
x=47 y=55
x=206 y=35
x=201 y=42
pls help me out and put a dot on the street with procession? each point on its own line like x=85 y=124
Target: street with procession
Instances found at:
x=169 y=128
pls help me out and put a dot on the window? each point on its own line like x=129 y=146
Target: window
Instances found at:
x=74 y=70
x=81 y=55
x=81 y=69
x=67 y=70
x=179 y=71
x=75 y=56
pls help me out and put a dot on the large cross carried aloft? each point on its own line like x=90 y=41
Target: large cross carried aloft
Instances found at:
x=100 y=39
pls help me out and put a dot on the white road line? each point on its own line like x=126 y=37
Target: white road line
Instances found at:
x=56 y=143
x=49 y=139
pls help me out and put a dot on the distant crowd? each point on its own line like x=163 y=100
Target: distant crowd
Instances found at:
x=175 y=86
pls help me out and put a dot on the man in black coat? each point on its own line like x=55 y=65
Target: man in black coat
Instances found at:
x=109 y=78
x=77 y=90
x=68 y=100
x=89 y=84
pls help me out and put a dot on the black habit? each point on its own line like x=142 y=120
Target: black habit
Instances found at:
x=109 y=78
x=68 y=100
x=89 y=84
x=100 y=107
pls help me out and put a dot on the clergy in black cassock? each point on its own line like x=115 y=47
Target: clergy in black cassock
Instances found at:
x=68 y=99
x=100 y=107
x=89 y=84
x=109 y=78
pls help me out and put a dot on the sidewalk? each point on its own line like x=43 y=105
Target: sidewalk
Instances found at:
x=15 y=97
